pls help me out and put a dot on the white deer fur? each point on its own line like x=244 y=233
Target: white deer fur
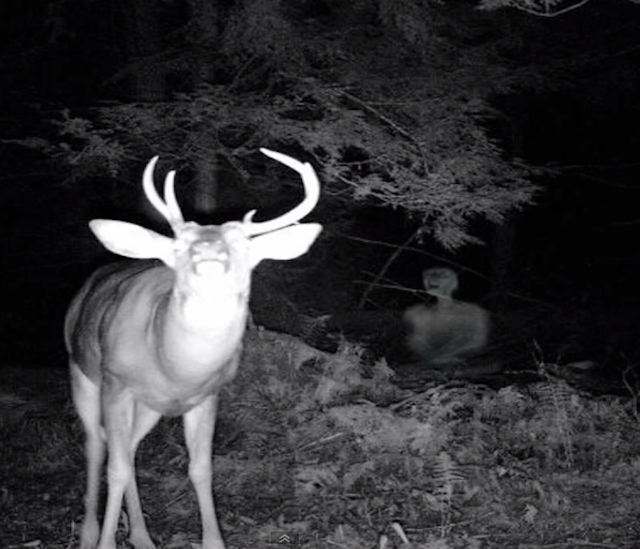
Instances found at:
x=149 y=338
x=447 y=331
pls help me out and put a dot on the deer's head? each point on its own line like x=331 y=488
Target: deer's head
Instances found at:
x=200 y=255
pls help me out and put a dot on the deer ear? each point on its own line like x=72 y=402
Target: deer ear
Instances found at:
x=131 y=240
x=287 y=243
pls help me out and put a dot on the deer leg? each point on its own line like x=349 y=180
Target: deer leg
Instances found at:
x=144 y=421
x=118 y=409
x=86 y=398
x=199 y=425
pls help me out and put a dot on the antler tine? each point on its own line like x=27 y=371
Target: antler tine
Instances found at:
x=312 y=194
x=170 y=199
x=168 y=207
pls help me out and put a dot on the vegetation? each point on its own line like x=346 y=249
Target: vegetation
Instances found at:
x=416 y=107
x=422 y=110
x=385 y=98
x=325 y=449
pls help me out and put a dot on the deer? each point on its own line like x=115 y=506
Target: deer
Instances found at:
x=161 y=335
x=448 y=331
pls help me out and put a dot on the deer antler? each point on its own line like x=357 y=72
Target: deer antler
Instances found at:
x=167 y=207
x=311 y=190
x=147 y=339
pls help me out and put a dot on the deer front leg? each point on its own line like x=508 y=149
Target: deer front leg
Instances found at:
x=199 y=425
x=144 y=421
x=118 y=409
x=86 y=398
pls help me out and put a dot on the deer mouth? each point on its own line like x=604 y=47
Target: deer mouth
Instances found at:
x=210 y=268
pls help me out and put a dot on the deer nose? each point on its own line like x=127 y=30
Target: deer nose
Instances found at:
x=211 y=249
x=211 y=258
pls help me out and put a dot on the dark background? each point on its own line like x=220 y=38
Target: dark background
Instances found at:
x=570 y=268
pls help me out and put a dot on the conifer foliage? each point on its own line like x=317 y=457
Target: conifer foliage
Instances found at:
x=386 y=98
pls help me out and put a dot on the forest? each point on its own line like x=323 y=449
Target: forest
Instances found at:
x=422 y=219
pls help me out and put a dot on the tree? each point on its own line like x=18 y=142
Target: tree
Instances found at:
x=416 y=106
x=382 y=97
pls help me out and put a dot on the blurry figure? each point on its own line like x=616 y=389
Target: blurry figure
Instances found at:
x=447 y=331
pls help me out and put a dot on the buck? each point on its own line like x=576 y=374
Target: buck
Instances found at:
x=450 y=330
x=153 y=338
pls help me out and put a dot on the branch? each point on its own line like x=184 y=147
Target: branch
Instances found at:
x=390 y=123
x=548 y=12
x=385 y=268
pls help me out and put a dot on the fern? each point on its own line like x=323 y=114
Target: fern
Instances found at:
x=447 y=475
x=558 y=404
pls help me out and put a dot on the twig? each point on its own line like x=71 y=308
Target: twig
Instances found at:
x=390 y=123
x=548 y=12
x=385 y=268
x=396 y=287
x=418 y=251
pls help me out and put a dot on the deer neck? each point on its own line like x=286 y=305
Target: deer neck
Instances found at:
x=200 y=333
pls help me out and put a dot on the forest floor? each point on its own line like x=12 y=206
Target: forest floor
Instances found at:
x=330 y=451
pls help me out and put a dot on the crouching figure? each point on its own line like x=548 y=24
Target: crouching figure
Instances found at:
x=448 y=331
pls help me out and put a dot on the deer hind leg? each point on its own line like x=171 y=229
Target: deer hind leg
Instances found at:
x=86 y=398
x=199 y=425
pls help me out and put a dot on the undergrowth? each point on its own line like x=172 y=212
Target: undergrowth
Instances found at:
x=327 y=450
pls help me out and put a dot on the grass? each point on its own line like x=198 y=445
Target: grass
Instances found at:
x=327 y=450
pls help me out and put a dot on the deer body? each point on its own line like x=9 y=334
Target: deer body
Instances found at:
x=126 y=336
x=153 y=338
